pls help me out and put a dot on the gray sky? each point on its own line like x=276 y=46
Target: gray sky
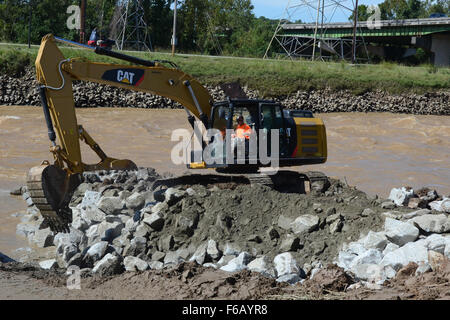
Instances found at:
x=275 y=9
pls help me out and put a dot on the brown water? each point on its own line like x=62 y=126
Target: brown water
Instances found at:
x=374 y=151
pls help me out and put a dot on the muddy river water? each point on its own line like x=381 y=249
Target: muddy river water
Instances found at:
x=373 y=151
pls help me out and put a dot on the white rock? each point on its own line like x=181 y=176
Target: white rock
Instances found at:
x=410 y=252
x=291 y=278
x=423 y=267
x=135 y=201
x=443 y=205
x=435 y=242
x=416 y=213
x=237 y=264
x=212 y=250
x=345 y=259
x=437 y=223
x=447 y=249
x=156 y=265
x=374 y=240
x=371 y=256
x=355 y=248
x=107 y=264
x=42 y=238
x=172 y=258
x=97 y=250
x=210 y=265
x=400 y=232
x=284 y=222
x=110 y=205
x=154 y=220
x=389 y=248
x=261 y=265
x=285 y=264
x=401 y=196
x=135 y=264
x=199 y=255
x=231 y=249
x=110 y=230
x=304 y=223
x=48 y=264
x=373 y=273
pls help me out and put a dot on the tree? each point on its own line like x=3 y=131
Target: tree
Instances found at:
x=363 y=13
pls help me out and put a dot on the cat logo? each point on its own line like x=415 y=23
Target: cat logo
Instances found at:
x=132 y=77
x=125 y=76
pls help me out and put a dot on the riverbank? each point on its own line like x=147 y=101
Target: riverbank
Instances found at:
x=23 y=91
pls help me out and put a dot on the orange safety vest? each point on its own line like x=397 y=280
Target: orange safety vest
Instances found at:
x=243 y=131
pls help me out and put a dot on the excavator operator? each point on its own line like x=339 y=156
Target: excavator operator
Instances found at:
x=243 y=130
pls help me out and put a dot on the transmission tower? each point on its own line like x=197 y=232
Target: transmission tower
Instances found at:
x=128 y=27
x=302 y=32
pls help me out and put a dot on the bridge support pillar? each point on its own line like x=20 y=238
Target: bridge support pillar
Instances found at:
x=440 y=46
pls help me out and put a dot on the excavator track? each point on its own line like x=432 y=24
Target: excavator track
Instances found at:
x=48 y=186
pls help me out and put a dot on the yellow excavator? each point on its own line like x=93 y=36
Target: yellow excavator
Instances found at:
x=301 y=138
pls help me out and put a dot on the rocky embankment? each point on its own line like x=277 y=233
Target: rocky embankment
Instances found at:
x=121 y=225
x=23 y=91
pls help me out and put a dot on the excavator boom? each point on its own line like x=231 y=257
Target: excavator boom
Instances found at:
x=51 y=185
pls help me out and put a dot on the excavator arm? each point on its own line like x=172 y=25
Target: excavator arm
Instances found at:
x=51 y=186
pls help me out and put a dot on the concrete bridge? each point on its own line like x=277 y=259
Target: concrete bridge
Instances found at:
x=432 y=35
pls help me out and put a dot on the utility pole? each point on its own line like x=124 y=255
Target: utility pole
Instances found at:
x=83 y=21
x=174 y=36
x=29 y=23
x=355 y=18
x=315 y=32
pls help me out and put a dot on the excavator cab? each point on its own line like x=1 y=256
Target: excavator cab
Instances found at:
x=272 y=133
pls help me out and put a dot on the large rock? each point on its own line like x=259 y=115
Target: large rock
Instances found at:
x=137 y=246
x=285 y=264
x=371 y=256
x=109 y=265
x=436 y=223
x=401 y=196
x=135 y=201
x=436 y=242
x=290 y=243
x=213 y=251
x=443 y=205
x=173 y=258
x=373 y=273
x=410 y=252
x=374 y=240
x=237 y=264
x=110 y=205
x=135 y=264
x=262 y=266
x=304 y=223
x=95 y=252
x=108 y=231
x=173 y=195
x=400 y=232
x=154 y=221
x=284 y=222
x=42 y=238
x=48 y=264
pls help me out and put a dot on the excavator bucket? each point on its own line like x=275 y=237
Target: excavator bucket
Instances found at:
x=51 y=189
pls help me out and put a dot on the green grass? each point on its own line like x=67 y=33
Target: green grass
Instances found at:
x=274 y=77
